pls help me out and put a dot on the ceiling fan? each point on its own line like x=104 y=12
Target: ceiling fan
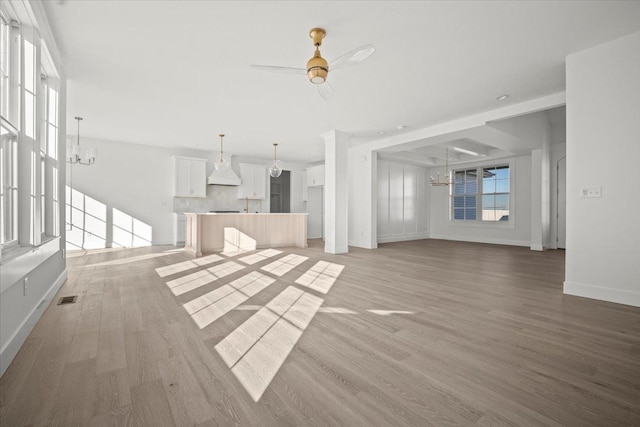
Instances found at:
x=317 y=67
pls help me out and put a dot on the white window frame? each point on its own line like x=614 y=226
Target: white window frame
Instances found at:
x=9 y=189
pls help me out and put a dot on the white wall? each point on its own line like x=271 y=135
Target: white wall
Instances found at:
x=362 y=190
x=603 y=148
x=138 y=180
x=517 y=233
x=402 y=202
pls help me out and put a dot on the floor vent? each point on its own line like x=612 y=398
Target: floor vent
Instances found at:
x=68 y=300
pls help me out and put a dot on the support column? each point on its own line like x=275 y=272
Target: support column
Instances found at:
x=335 y=192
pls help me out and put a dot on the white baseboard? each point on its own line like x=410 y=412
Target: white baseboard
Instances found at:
x=362 y=244
x=537 y=247
x=12 y=346
x=483 y=240
x=402 y=237
x=618 y=296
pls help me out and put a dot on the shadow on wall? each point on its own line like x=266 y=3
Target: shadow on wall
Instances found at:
x=93 y=225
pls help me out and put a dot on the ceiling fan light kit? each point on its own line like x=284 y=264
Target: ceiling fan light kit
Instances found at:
x=317 y=66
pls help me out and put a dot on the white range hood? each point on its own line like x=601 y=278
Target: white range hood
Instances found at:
x=224 y=177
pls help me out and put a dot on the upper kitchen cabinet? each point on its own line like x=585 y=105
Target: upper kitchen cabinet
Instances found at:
x=315 y=176
x=190 y=177
x=254 y=182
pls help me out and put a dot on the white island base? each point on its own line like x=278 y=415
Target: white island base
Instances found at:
x=219 y=232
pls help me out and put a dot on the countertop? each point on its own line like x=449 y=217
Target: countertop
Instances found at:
x=244 y=213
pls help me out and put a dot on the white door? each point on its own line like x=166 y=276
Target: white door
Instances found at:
x=562 y=203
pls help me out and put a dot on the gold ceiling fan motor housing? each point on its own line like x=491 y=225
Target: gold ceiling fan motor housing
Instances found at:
x=317 y=67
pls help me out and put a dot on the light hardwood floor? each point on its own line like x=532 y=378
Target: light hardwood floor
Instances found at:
x=482 y=335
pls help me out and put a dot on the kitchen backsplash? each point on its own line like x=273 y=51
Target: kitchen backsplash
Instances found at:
x=219 y=198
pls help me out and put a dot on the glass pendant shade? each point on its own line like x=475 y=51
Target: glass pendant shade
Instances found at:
x=275 y=170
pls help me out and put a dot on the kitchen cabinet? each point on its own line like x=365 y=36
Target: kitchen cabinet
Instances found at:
x=254 y=182
x=190 y=177
x=179 y=227
x=315 y=176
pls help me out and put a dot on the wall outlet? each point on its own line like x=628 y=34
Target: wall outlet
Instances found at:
x=587 y=193
x=25 y=283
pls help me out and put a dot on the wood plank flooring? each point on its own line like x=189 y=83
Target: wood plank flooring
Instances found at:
x=424 y=333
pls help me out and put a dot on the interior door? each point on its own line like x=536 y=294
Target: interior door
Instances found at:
x=562 y=203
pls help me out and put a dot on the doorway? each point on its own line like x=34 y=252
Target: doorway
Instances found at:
x=281 y=193
x=562 y=203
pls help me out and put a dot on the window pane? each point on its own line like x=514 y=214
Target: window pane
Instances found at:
x=470 y=214
x=53 y=106
x=458 y=202
x=458 y=214
x=502 y=201
x=502 y=172
x=29 y=66
x=52 y=141
x=470 y=201
x=488 y=202
x=502 y=186
x=488 y=185
x=29 y=115
x=471 y=187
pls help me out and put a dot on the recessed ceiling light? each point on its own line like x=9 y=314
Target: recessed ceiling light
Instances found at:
x=400 y=127
x=381 y=132
x=502 y=97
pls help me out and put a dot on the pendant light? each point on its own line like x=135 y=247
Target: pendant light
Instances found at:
x=448 y=179
x=275 y=170
x=221 y=163
x=86 y=158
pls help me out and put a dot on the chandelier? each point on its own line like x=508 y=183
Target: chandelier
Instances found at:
x=275 y=170
x=448 y=179
x=77 y=156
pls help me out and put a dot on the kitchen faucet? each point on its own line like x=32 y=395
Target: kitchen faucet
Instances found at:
x=246 y=204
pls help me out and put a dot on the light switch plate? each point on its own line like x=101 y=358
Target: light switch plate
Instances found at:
x=587 y=193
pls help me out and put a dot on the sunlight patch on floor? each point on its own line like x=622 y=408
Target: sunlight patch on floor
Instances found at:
x=256 y=350
x=260 y=256
x=285 y=264
x=168 y=270
x=211 y=306
x=321 y=276
x=193 y=281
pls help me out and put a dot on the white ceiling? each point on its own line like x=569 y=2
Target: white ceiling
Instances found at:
x=176 y=73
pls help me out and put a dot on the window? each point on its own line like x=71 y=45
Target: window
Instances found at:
x=4 y=66
x=485 y=199
x=495 y=193
x=465 y=194
x=29 y=90
x=8 y=186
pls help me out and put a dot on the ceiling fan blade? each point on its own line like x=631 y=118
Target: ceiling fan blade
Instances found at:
x=352 y=57
x=326 y=91
x=282 y=70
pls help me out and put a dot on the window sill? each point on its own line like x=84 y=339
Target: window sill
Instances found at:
x=20 y=261
x=481 y=224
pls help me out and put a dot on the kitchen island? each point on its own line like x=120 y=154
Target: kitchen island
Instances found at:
x=208 y=233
